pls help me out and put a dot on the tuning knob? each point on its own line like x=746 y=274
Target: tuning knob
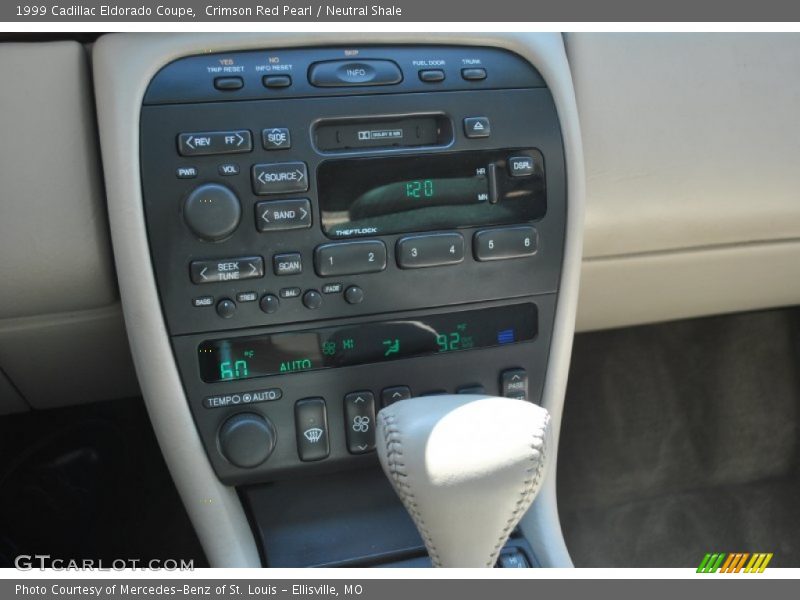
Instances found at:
x=247 y=440
x=212 y=211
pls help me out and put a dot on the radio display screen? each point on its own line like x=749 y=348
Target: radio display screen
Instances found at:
x=400 y=194
x=363 y=343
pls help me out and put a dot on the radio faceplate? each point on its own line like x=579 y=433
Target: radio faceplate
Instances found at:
x=255 y=231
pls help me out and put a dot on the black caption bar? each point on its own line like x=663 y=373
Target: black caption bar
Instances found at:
x=404 y=11
x=392 y=589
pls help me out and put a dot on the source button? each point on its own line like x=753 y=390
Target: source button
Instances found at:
x=280 y=178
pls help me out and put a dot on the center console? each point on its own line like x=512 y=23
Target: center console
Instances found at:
x=306 y=232
x=333 y=230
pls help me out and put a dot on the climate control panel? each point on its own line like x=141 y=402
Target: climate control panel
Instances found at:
x=336 y=229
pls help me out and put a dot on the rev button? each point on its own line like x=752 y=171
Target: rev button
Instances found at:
x=279 y=215
x=214 y=142
x=280 y=178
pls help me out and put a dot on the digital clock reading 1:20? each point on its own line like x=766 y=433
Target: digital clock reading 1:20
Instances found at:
x=283 y=353
x=422 y=188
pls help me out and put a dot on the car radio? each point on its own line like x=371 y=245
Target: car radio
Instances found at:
x=336 y=229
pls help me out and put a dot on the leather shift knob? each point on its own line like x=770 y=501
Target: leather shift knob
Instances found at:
x=466 y=468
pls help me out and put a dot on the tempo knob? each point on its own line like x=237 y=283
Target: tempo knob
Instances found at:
x=247 y=440
x=212 y=211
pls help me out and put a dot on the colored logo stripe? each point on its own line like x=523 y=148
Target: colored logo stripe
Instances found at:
x=734 y=562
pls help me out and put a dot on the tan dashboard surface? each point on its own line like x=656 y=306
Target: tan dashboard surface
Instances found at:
x=691 y=144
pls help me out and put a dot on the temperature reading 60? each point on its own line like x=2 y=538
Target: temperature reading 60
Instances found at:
x=233 y=369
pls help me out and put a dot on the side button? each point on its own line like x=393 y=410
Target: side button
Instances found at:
x=311 y=426
x=359 y=422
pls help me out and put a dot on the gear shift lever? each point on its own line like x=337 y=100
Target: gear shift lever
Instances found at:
x=466 y=468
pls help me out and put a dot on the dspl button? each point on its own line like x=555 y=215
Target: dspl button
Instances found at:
x=520 y=166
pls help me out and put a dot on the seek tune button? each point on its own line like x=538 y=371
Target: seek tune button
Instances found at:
x=226 y=269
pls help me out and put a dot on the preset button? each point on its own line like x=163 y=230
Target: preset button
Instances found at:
x=505 y=242
x=350 y=258
x=430 y=250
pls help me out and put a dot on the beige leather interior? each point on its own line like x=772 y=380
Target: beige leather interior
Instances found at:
x=59 y=311
x=691 y=144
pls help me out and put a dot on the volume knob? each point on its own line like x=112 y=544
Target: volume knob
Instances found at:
x=212 y=211
x=247 y=440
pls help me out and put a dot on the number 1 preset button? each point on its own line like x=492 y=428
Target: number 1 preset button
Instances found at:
x=350 y=258
x=430 y=250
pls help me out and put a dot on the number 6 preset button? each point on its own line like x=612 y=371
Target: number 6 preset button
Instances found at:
x=430 y=250
x=350 y=258
x=505 y=242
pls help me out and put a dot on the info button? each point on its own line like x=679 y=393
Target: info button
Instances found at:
x=337 y=73
x=280 y=178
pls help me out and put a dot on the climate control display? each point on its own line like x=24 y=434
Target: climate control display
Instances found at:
x=348 y=345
